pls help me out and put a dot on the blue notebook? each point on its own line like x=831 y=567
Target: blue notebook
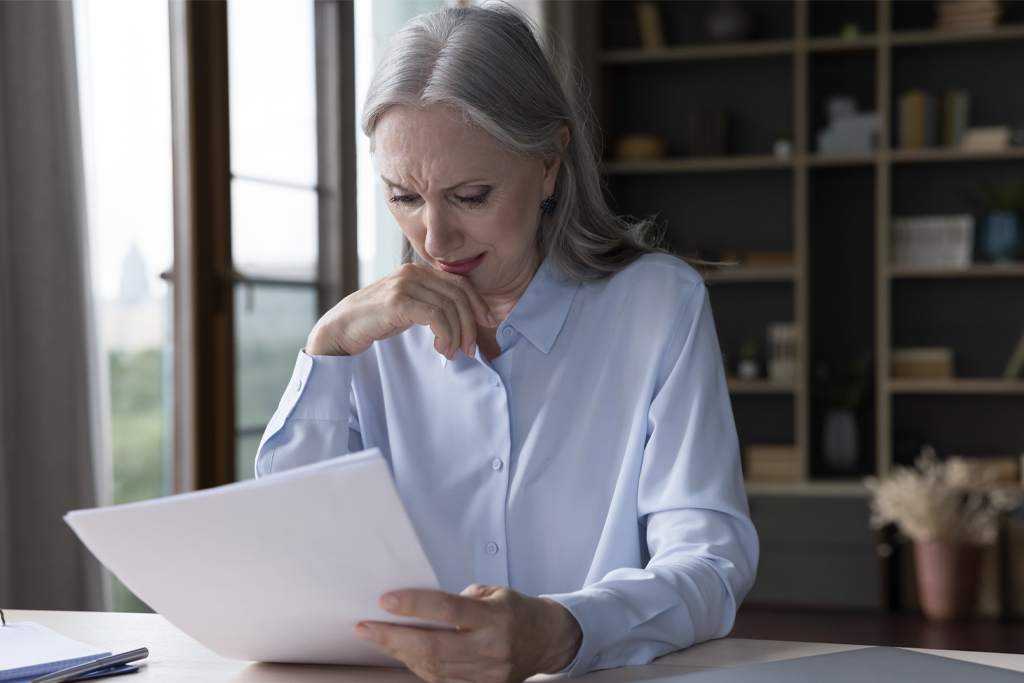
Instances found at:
x=28 y=650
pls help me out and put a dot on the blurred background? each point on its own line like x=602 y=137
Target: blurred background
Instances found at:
x=184 y=191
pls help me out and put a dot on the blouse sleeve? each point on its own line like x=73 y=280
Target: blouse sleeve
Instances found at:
x=703 y=548
x=314 y=420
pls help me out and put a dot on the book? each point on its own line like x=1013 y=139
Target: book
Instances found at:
x=986 y=139
x=648 y=20
x=782 y=346
x=916 y=119
x=967 y=14
x=955 y=110
x=773 y=463
x=1016 y=362
x=709 y=132
x=28 y=650
x=922 y=363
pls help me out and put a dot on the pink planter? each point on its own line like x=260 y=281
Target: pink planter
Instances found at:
x=947 y=578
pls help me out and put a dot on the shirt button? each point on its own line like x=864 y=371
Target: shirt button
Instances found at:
x=508 y=332
x=494 y=380
x=496 y=464
x=492 y=548
x=298 y=384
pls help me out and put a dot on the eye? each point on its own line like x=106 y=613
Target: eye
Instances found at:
x=474 y=199
x=402 y=198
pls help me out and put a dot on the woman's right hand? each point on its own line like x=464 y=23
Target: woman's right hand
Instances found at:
x=411 y=295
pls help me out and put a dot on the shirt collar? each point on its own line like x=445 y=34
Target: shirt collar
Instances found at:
x=541 y=312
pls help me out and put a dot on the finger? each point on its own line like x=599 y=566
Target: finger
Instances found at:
x=421 y=312
x=466 y=317
x=481 y=311
x=439 y=295
x=417 y=645
x=464 y=612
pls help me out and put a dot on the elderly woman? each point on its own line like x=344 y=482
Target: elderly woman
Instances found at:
x=548 y=392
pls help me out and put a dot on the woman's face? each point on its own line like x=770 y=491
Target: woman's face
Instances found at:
x=467 y=206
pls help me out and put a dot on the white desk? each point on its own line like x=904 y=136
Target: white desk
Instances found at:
x=174 y=656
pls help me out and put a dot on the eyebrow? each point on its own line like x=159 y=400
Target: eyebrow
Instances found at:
x=395 y=186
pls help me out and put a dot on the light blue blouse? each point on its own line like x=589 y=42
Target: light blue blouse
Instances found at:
x=594 y=462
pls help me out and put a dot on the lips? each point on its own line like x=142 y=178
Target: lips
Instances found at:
x=462 y=267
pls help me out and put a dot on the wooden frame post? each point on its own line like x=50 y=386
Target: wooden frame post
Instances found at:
x=204 y=405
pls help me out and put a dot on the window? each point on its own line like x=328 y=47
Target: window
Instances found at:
x=274 y=204
x=124 y=85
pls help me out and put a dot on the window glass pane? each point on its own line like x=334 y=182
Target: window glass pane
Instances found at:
x=246 y=446
x=123 y=65
x=274 y=230
x=272 y=69
x=271 y=326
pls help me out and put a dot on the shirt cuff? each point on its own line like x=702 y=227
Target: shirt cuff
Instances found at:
x=315 y=384
x=311 y=394
x=604 y=627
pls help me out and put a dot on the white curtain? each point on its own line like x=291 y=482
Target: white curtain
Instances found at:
x=48 y=409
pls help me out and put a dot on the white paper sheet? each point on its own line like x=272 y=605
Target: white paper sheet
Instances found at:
x=277 y=570
x=28 y=650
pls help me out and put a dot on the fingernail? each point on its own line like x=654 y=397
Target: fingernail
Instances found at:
x=472 y=350
x=362 y=631
x=491 y=320
x=389 y=602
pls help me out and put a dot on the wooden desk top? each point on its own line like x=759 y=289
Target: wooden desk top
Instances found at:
x=175 y=656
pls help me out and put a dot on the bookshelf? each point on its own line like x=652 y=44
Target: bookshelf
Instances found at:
x=832 y=212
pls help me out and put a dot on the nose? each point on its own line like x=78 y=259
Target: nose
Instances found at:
x=443 y=237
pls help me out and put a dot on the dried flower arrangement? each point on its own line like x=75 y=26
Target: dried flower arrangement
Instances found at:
x=928 y=504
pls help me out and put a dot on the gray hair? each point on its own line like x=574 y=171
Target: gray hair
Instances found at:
x=488 y=64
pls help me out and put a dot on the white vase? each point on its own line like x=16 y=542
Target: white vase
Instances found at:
x=841 y=445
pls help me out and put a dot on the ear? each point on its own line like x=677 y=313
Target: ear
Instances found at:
x=554 y=162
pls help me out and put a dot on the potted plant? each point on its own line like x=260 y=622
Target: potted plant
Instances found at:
x=1002 y=233
x=948 y=520
x=844 y=385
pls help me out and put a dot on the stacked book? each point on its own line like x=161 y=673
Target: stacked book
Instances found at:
x=922 y=363
x=773 y=463
x=967 y=15
x=782 y=347
x=933 y=241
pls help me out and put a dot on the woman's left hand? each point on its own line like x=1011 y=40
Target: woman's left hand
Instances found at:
x=502 y=637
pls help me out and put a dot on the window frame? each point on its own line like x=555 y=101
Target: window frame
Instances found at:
x=203 y=279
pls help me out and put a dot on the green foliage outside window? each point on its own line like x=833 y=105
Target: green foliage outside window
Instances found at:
x=136 y=425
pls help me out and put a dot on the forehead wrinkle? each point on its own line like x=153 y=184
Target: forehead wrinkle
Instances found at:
x=433 y=148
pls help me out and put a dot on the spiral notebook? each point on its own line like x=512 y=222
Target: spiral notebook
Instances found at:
x=28 y=650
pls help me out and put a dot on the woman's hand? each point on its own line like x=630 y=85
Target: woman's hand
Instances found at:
x=411 y=295
x=502 y=637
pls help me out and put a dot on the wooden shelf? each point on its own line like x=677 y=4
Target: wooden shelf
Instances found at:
x=947 y=154
x=979 y=387
x=697 y=165
x=840 y=44
x=936 y=37
x=692 y=53
x=750 y=274
x=841 y=488
x=977 y=270
x=845 y=160
x=759 y=386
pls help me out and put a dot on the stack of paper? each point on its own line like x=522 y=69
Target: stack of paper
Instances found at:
x=28 y=650
x=279 y=569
